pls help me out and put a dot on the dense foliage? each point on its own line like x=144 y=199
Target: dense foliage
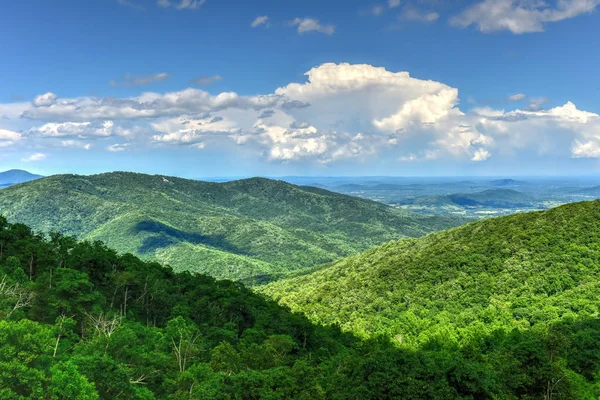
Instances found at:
x=516 y=271
x=249 y=230
x=79 y=321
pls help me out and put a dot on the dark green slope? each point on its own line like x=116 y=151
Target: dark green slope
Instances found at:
x=519 y=271
x=252 y=229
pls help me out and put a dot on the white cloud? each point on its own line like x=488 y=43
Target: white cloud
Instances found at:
x=481 y=155
x=312 y=25
x=117 y=147
x=341 y=111
x=8 y=138
x=147 y=105
x=141 y=80
x=74 y=129
x=181 y=4
x=517 y=97
x=261 y=20
x=44 y=100
x=35 y=157
x=393 y=3
x=74 y=144
x=520 y=16
x=189 y=131
x=411 y=13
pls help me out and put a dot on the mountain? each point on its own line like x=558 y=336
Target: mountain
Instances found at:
x=79 y=321
x=494 y=198
x=506 y=182
x=522 y=271
x=14 y=176
x=252 y=229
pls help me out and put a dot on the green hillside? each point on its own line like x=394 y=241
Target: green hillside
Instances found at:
x=252 y=229
x=78 y=321
x=522 y=271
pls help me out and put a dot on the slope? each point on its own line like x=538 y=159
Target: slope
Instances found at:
x=517 y=271
x=252 y=230
x=79 y=321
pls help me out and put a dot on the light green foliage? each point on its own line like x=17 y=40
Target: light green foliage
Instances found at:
x=251 y=230
x=509 y=272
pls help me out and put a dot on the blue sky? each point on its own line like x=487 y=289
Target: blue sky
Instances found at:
x=208 y=88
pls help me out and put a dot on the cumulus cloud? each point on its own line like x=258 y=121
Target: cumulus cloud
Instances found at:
x=146 y=106
x=141 y=80
x=340 y=111
x=261 y=20
x=517 y=97
x=44 y=100
x=181 y=4
x=74 y=129
x=393 y=3
x=520 y=16
x=312 y=25
x=35 y=157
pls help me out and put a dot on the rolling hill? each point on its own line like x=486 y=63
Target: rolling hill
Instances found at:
x=252 y=230
x=14 y=176
x=520 y=272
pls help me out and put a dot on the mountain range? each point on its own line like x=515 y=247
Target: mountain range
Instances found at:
x=252 y=230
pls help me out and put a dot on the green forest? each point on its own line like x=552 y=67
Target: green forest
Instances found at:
x=253 y=230
x=80 y=321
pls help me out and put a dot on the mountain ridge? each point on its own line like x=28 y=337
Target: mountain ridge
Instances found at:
x=278 y=226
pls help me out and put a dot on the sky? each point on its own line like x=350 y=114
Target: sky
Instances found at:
x=200 y=88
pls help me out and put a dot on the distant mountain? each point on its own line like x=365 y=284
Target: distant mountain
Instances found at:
x=593 y=191
x=494 y=198
x=517 y=272
x=14 y=176
x=506 y=182
x=251 y=229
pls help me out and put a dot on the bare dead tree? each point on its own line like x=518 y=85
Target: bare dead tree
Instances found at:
x=21 y=296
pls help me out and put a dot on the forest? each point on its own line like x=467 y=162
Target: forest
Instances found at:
x=252 y=230
x=80 y=321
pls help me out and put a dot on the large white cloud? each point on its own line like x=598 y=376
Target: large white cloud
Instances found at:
x=341 y=111
x=520 y=16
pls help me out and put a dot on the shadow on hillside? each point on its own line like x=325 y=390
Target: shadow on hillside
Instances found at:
x=165 y=236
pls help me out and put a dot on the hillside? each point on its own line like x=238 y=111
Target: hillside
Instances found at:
x=78 y=321
x=14 y=176
x=494 y=198
x=252 y=229
x=522 y=271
